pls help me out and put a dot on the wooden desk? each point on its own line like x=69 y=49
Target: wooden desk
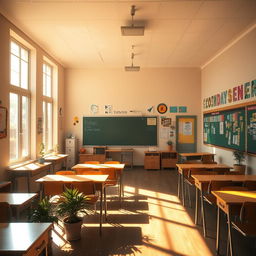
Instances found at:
x=225 y=201
x=24 y=239
x=182 y=167
x=124 y=155
x=99 y=179
x=28 y=171
x=56 y=159
x=195 y=156
x=118 y=167
x=202 y=182
x=17 y=200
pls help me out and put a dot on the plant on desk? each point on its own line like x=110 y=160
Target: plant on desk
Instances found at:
x=41 y=159
x=239 y=158
x=72 y=204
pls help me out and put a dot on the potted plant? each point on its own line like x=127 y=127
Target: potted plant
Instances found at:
x=239 y=158
x=44 y=212
x=41 y=159
x=56 y=149
x=169 y=143
x=72 y=204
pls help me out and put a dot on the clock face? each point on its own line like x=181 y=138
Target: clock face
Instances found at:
x=94 y=109
x=161 y=108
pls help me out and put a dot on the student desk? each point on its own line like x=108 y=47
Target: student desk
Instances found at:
x=5 y=186
x=225 y=201
x=27 y=239
x=196 y=156
x=99 y=179
x=17 y=200
x=202 y=182
x=56 y=159
x=28 y=171
x=125 y=155
x=182 y=167
x=118 y=167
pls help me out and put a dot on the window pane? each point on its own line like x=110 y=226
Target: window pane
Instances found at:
x=15 y=69
x=25 y=126
x=24 y=74
x=15 y=49
x=44 y=125
x=49 y=124
x=48 y=86
x=24 y=54
x=14 y=124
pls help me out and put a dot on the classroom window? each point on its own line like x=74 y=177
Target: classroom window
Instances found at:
x=47 y=107
x=19 y=123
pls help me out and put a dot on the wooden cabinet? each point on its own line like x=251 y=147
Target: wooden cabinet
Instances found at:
x=152 y=160
x=92 y=157
x=169 y=159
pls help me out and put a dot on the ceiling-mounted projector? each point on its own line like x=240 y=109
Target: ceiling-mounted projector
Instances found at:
x=132 y=68
x=132 y=30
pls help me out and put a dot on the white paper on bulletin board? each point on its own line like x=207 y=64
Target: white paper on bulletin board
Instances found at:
x=151 y=121
x=164 y=133
x=187 y=128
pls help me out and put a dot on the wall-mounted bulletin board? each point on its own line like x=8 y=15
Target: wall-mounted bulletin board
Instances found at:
x=232 y=127
x=251 y=129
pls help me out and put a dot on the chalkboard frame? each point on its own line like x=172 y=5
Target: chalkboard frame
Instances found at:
x=233 y=107
x=120 y=145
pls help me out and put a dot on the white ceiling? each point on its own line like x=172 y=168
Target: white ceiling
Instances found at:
x=178 y=33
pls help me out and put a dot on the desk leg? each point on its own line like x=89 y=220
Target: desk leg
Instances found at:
x=183 y=189
x=28 y=182
x=101 y=195
x=230 y=234
x=202 y=213
x=121 y=189
x=178 y=185
x=218 y=231
x=196 y=208
x=105 y=202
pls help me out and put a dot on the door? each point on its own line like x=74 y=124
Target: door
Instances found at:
x=186 y=131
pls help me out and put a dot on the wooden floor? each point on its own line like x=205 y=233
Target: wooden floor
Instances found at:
x=152 y=222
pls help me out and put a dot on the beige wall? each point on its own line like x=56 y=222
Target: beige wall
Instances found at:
x=37 y=55
x=235 y=66
x=129 y=91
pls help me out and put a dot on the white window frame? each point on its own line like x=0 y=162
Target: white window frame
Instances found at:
x=26 y=93
x=46 y=100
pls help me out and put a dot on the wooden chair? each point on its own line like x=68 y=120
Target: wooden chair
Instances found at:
x=207 y=159
x=65 y=173
x=91 y=162
x=87 y=171
x=5 y=213
x=53 y=190
x=112 y=162
x=250 y=184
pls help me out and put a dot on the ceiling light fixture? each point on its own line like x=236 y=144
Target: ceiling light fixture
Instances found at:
x=132 y=68
x=132 y=30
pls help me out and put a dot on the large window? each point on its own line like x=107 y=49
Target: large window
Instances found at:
x=47 y=107
x=19 y=103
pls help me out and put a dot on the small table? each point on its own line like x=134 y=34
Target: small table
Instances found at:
x=201 y=183
x=17 y=200
x=20 y=239
x=182 y=167
x=99 y=179
x=225 y=201
x=122 y=153
x=56 y=159
x=28 y=171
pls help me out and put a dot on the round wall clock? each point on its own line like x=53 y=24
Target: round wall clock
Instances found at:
x=161 y=108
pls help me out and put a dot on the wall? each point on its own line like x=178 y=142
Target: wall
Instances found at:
x=129 y=91
x=37 y=54
x=234 y=67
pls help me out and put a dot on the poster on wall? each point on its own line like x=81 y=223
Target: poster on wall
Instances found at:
x=108 y=109
x=94 y=109
x=187 y=128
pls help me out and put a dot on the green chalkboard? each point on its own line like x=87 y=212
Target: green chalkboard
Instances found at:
x=251 y=129
x=225 y=128
x=140 y=131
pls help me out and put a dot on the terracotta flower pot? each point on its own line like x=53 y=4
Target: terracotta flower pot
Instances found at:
x=73 y=230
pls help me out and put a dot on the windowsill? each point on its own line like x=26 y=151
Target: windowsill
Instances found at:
x=17 y=165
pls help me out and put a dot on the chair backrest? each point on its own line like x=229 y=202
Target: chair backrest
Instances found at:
x=218 y=185
x=87 y=187
x=202 y=171
x=52 y=188
x=221 y=170
x=250 y=184
x=112 y=175
x=248 y=212
x=91 y=162
x=65 y=173
x=5 y=187
x=5 y=213
x=112 y=162
x=207 y=159
x=87 y=171
x=242 y=172
x=234 y=188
